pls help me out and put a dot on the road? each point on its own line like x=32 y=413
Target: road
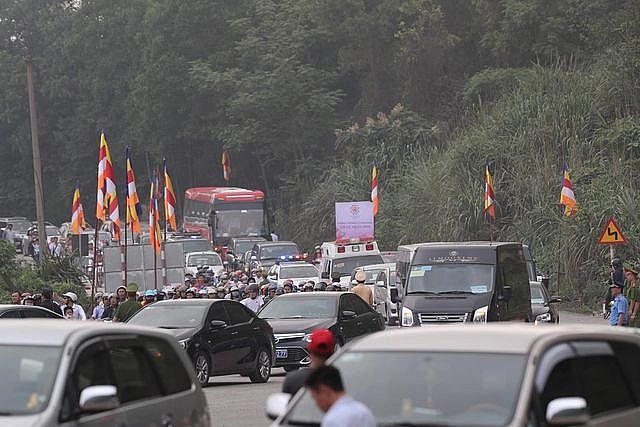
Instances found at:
x=234 y=401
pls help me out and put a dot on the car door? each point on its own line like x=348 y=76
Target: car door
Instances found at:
x=219 y=339
x=603 y=373
x=11 y=313
x=381 y=292
x=350 y=323
x=369 y=320
x=244 y=344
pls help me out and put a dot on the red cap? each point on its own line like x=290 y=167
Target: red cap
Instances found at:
x=322 y=342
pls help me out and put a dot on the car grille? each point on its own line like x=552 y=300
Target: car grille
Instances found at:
x=443 y=318
x=294 y=354
x=281 y=338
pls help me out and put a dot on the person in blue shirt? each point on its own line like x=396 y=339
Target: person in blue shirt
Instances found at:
x=620 y=307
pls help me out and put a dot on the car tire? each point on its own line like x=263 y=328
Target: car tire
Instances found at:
x=202 y=367
x=263 y=367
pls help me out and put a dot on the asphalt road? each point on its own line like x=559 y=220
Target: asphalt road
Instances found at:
x=235 y=401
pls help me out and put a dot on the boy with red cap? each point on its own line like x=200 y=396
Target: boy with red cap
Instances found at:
x=320 y=347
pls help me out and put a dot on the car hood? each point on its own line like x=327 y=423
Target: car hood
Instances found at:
x=290 y=326
x=446 y=304
x=181 y=333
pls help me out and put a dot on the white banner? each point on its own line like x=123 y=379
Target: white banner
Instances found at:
x=354 y=220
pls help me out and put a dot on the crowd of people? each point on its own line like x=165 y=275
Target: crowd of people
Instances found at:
x=622 y=301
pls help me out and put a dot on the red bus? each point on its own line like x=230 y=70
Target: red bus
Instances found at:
x=220 y=213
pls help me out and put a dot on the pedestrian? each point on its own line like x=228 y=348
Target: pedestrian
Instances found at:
x=9 y=234
x=15 y=297
x=254 y=301
x=98 y=310
x=617 y=271
x=121 y=293
x=320 y=347
x=47 y=300
x=632 y=292
x=70 y=300
x=68 y=312
x=288 y=286
x=361 y=289
x=149 y=297
x=341 y=410
x=110 y=310
x=129 y=307
x=620 y=307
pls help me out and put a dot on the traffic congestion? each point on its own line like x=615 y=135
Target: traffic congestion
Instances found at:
x=255 y=306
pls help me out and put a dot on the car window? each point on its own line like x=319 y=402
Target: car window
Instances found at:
x=628 y=356
x=135 y=376
x=237 y=313
x=346 y=302
x=175 y=377
x=217 y=312
x=10 y=314
x=360 y=306
x=40 y=314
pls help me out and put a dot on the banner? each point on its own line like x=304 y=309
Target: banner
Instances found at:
x=354 y=220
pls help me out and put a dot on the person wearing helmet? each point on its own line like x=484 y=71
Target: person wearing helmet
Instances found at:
x=202 y=293
x=130 y=307
x=279 y=291
x=271 y=292
x=287 y=285
x=307 y=287
x=70 y=300
x=320 y=346
x=234 y=294
x=28 y=300
x=361 y=289
x=222 y=292
x=330 y=288
x=254 y=301
x=190 y=293
x=149 y=297
x=318 y=287
x=99 y=307
x=121 y=293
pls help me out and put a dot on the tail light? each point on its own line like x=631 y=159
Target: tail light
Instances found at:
x=369 y=246
x=341 y=249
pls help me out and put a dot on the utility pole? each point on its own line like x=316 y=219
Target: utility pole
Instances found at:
x=37 y=167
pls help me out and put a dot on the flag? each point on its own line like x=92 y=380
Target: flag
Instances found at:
x=133 y=202
x=489 y=196
x=107 y=197
x=169 y=200
x=77 y=213
x=568 y=204
x=226 y=165
x=154 y=216
x=374 y=189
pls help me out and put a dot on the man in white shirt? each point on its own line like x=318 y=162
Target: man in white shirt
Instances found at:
x=341 y=410
x=70 y=300
x=254 y=301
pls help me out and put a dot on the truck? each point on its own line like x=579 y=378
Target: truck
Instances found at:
x=449 y=282
x=339 y=258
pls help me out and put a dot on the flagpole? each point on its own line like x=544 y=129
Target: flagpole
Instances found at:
x=126 y=215
x=164 y=238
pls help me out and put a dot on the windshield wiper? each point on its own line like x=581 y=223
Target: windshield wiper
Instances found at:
x=422 y=292
x=455 y=292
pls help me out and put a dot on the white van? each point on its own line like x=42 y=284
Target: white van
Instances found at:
x=340 y=258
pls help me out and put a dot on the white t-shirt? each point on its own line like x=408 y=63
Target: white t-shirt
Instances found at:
x=253 y=304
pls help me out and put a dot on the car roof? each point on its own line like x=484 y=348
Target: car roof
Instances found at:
x=294 y=263
x=495 y=338
x=54 y=332
x=7 y=307
x=322 y=294
x=189 y=301
x=279 y=242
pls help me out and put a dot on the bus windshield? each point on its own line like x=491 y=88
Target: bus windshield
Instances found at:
x=451 y=278
x=241 y=222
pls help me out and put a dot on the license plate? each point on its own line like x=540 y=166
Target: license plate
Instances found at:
x=281 y=354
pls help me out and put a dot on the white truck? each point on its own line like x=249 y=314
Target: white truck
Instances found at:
x=341 y=257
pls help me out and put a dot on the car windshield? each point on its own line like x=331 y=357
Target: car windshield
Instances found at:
x=451 y=278
x=345 y=266
x=441 y=388
x=536 y=295
x=195 y=245
x=242 y=222
x=243 y=246
x=204 y=259
x=21 y=226
x=298 y=271
x=311 y=307
x=277 y=251
x=170 y=316
x=371 y=275
x=28 y=373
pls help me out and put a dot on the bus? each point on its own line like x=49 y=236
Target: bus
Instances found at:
x=220 y=213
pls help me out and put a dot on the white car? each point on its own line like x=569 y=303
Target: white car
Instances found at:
x=195 y=261
x=298 y=271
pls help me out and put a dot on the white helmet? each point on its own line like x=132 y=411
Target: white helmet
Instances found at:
x=73 y=297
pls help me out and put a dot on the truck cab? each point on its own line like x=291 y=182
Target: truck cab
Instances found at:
x=449 y=282
x=341 y=257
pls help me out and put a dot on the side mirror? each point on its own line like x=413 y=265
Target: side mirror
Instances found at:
x=565 y=411
x=395 y=298
x=348 y=314
x=545 y=282
x=98 y=398
x=276 y=404
x=217 y=324
x=555 y=299
x=324 y=275
x=506 y=293
x=381 y=284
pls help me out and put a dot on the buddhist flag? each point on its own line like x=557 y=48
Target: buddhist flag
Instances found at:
x=154 y=217
x=489 y=196
x=568 y=204
x=374 y=189
x=134 y=209
x=77 y=213
x=169 y=200
x=107 y=197
x=226 y=165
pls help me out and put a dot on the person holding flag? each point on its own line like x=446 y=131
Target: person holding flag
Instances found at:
x=77 y=213
x=169 y=200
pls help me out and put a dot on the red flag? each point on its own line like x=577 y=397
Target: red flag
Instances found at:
x=169 y=200
x=107 y=197
x=77 y=213
x=568 y=203
x=489 y=197
x=133 y=202
x=374 y=189
x=154 y=217
x=226 y=165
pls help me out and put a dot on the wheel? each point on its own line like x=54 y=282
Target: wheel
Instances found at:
x=263 y=367
x=203 y=368
x=290 y=368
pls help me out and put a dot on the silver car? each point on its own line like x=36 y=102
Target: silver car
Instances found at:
x=487 y=375
x=72 y=373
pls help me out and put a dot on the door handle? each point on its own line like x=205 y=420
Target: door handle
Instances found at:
x=234 y=333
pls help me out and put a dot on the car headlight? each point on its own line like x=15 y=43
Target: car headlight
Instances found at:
x=480 y=315
x=407 y=317
x=184 y=343
x=307 y=338
x=546 y=317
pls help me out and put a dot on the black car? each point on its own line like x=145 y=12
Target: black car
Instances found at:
x=14 y=311
x=221 y=337
x=238 y=247
x=294 y=316
x=265 y=254
x=543 y=305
